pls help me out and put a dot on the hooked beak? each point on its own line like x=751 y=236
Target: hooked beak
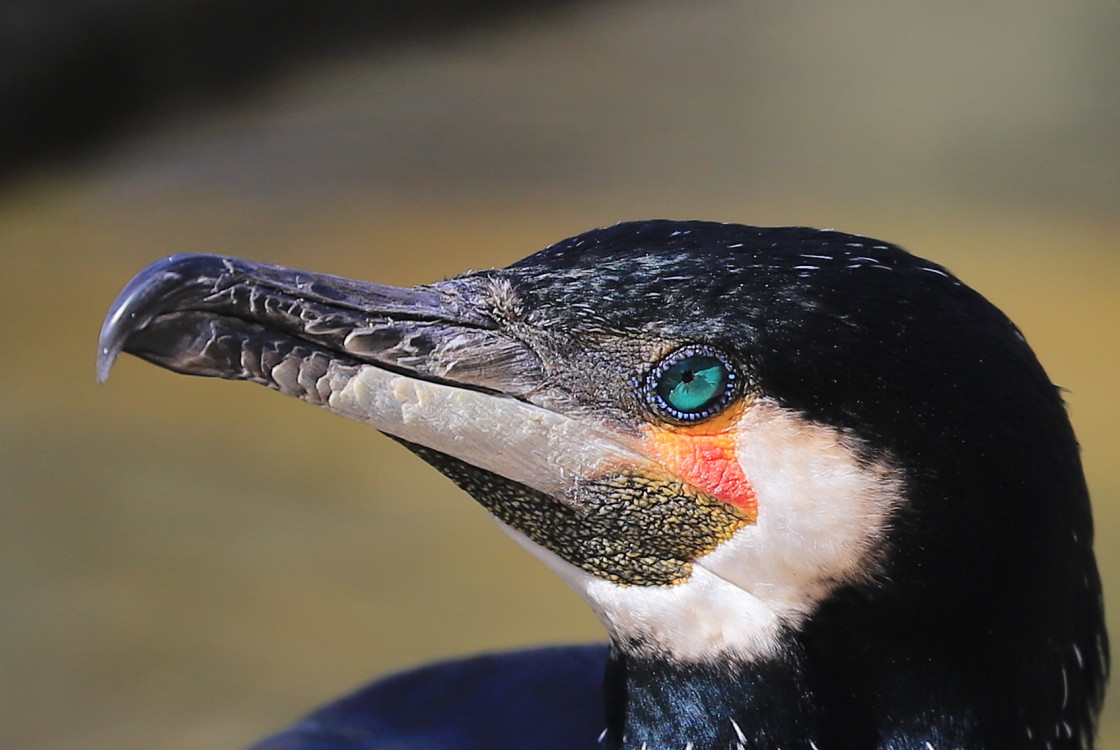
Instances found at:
x=425 y=364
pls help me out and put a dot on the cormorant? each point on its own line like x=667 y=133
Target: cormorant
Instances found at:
x=820 y=493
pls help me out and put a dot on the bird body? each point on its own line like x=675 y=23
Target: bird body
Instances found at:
x=545 y=699
x=820 y=493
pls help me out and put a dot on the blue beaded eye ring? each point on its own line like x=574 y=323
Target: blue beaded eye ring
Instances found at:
x=692 y=384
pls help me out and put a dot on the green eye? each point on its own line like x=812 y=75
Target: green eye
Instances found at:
x=691 y=384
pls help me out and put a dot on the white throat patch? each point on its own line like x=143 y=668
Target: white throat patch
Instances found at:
x=822 y=517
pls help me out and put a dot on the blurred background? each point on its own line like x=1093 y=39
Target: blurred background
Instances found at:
x=190 y=564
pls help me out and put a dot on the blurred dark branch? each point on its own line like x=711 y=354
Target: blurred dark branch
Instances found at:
x=75 y=74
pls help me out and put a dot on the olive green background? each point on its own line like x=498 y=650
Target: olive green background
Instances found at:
x=188 y=563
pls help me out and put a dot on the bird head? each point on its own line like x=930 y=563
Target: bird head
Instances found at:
x=727 y=439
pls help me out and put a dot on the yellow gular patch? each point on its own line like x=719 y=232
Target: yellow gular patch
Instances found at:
x=705 y=456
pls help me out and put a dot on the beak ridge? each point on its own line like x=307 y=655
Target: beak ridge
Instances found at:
x=319 y=308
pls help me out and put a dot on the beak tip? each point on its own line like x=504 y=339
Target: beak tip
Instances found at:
x=106 y=356
x=111 y=341
x=109 y=345
x=141 y=299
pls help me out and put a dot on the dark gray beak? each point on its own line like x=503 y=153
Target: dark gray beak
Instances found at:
x=235 y=319
x=426 y=364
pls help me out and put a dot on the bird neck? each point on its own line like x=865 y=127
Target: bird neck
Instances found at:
x=656 y=704
x=876 y=683
x=803 y=697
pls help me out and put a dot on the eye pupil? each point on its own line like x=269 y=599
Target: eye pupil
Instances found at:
x=693 y=383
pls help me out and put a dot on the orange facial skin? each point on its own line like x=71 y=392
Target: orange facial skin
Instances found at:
x=704 y=455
